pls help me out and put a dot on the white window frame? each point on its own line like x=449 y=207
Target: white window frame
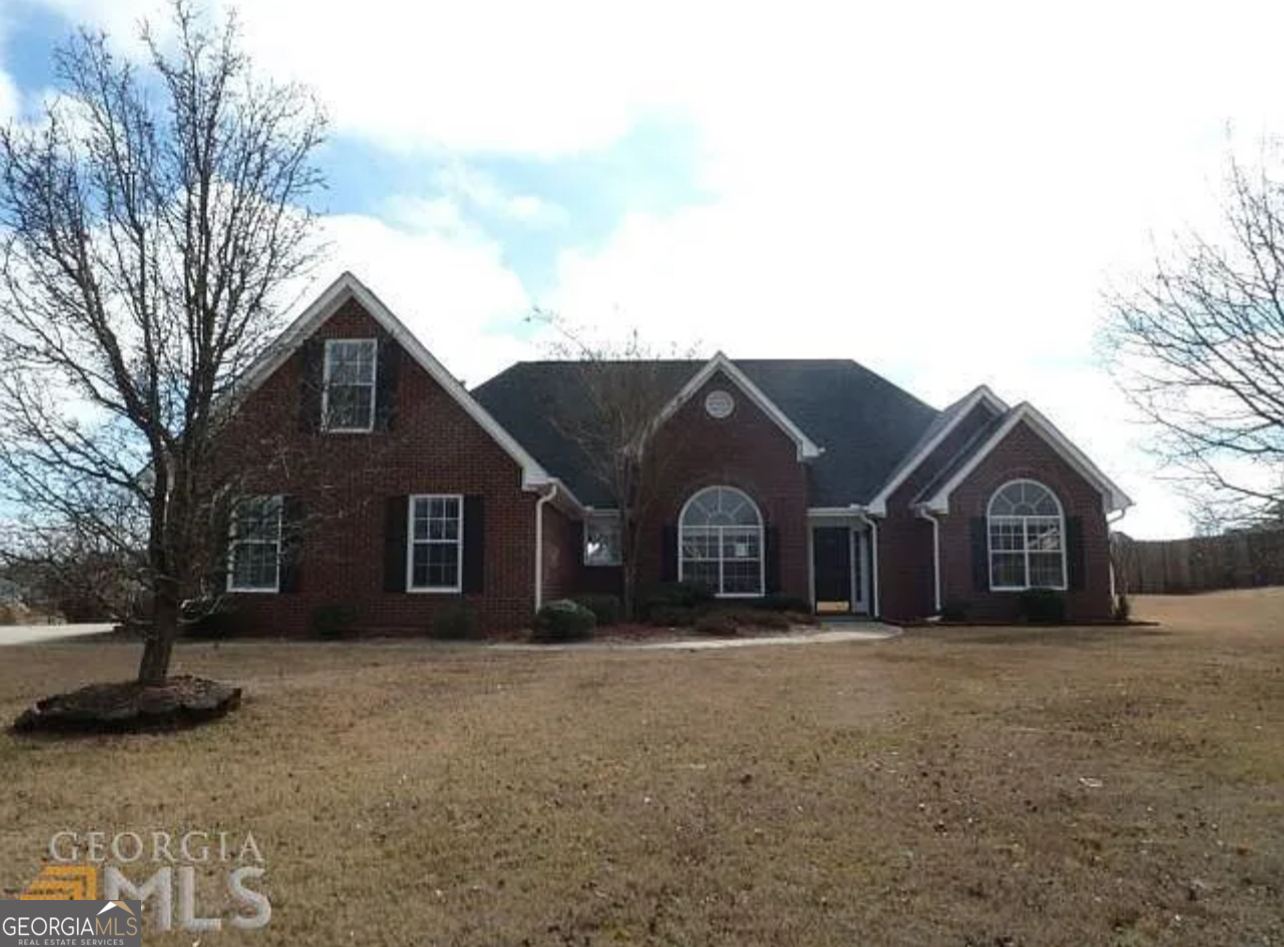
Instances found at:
x=991 y=518
x=330 y=344
x=411 y=542
x=596 y=520
x=233 y=544
x=762 y=543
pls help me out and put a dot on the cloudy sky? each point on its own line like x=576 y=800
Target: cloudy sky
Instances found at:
x=940 y=191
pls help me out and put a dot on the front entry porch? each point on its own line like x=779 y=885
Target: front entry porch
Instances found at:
x=839 y=565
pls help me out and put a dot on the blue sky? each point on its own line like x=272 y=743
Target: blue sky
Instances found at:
x=942 y=192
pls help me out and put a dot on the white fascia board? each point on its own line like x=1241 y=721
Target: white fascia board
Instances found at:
x=878 y=506
x=1113 y=497
x=807 y=448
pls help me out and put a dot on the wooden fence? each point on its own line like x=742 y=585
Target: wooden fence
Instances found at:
x=1202 y=564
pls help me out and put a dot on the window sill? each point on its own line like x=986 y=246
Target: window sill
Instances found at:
x=434 y=591
x=240 y=590
x=1029 y=588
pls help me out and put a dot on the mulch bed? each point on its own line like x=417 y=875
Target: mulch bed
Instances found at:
x=129 y=706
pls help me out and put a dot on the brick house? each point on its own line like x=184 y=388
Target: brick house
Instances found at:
x=812 y=478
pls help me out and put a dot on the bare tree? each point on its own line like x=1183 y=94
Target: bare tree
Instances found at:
x=1199 y=348
x=613 y=421
x=150 y=222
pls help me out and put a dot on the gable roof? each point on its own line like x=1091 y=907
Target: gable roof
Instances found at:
x=936 y=495
x=860 y=424
x=937 y=431
x=348 y=287
x=807 y=448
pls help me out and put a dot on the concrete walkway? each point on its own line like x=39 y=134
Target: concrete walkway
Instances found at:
x=830 y=633
x=35 y=634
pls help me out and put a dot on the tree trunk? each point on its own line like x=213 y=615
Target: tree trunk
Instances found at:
x=153 y=669
x=630 y=591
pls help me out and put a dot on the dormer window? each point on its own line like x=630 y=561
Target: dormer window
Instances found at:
x=348 y=392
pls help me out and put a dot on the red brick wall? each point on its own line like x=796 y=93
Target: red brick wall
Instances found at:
x=563 y=539
x=746 y=450
x=1024 y=454
x=905 y=564
x=344 y=480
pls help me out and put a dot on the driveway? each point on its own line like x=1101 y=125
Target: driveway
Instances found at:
x=34 y=634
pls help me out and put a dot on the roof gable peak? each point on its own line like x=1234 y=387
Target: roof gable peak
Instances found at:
x=807 y=448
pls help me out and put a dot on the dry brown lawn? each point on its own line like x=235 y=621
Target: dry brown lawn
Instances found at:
x=962 y=787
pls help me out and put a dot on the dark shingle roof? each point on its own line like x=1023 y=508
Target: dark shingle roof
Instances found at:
x=962 y=456
x=865 y=424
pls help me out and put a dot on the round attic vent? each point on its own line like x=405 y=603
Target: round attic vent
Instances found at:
x=719 y=403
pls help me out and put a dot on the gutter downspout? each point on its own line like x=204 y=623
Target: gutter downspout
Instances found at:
x=936 y=555
x=539 y=545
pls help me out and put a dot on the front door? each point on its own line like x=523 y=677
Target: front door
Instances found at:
x=831 y=550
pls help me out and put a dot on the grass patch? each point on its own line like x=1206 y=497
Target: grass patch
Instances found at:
x=923 y=790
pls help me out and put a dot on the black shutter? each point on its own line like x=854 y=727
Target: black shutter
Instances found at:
x=669 y=554
x=386 y=373
x=474 y=544
x=771 y=540
x=291 y=543
x=1074 y=553
x=311 y=382
x=396 y=514
x=980 y=555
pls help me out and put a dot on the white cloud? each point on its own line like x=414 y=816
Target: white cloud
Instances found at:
x=450 y=288
x=485 y=193
x=9 y=98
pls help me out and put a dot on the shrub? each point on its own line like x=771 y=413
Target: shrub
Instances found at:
x=779 y=602
x=672 y=616
x=677 y=595
x=564 y=620
x=718 y=624
x=210 y=621
x=955 y=610
x=1043 y=606
x=606 y=608
x=1123 y=608
x=454 y=623
x=332 y=622
x=778 y=621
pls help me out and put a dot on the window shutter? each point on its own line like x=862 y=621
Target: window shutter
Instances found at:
x=396 y=515
x=669 y=554
x=291 y=543
x=1074 y=553
x=386 y=375
x=311 y=382
x=980 y=555
x=474 y=564
x=771 y=542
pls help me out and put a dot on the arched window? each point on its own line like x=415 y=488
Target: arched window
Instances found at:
x=720 y=542
x=1027 y=538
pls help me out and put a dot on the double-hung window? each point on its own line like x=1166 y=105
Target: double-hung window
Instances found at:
x=348 y=393
x=720 y=542
x=1027 y=538
x=602 y=540
x=436 y=539
x=255 y=545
